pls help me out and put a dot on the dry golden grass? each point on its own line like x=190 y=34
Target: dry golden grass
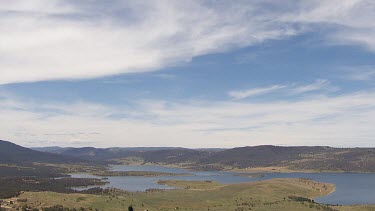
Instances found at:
x=199 y=195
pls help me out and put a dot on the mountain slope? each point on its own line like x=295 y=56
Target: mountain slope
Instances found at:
x=264 y=155
x=150 y=154
x=12 y=153
x=317 y=158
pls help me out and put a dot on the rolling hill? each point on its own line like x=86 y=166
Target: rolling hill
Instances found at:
x=149 y=154
x=316 y=158
x=12 y=153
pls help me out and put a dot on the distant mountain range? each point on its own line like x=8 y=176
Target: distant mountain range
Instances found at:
x=12 y=153
x=59 y=150
x=151 y=154
x=317 y=158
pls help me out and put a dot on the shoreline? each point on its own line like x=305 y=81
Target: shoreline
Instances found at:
x=269 y=169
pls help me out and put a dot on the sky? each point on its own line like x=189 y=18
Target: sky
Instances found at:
x=194 y=73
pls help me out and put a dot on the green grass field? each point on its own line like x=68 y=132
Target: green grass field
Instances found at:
x=275 y=194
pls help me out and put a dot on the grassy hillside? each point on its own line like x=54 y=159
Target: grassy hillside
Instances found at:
x=277 y=194
x=102 y=154
x=288 y=158
x=300 y=158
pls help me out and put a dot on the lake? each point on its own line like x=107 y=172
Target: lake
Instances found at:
x=351 y=188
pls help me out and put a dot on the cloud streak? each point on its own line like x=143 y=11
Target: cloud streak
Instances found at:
x=360 y=73
x=291 y=89
x=79 y=40
x=242 y=94
x=318 y=85
x=40 y=42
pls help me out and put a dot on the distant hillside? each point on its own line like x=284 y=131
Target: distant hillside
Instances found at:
x=62 y=150
x=256 y=156
x=12 y=153
x=56 y=150
x=317 y=158
x=151 y=154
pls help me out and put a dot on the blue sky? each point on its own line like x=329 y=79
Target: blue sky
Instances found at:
x=187 y=73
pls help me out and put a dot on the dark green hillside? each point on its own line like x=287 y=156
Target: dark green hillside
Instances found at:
x=258 y=156
x=23 y=169
x=316 y=158
x=12 y=153
x=180 y=155
x=55 y=149
x=102 y=154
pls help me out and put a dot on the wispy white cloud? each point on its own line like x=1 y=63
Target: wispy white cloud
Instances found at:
x=91 y=40
x=347 y=22
x=74 y=40
x=345 y=120
x=242 y=94
x=360 y=73
x=318 y=85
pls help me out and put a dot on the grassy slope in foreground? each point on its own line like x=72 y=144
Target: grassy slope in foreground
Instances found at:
x=263 y=195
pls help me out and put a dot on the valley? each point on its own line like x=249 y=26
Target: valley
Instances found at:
x=250 y=178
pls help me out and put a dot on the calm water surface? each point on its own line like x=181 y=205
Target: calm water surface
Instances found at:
x=351 y=188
